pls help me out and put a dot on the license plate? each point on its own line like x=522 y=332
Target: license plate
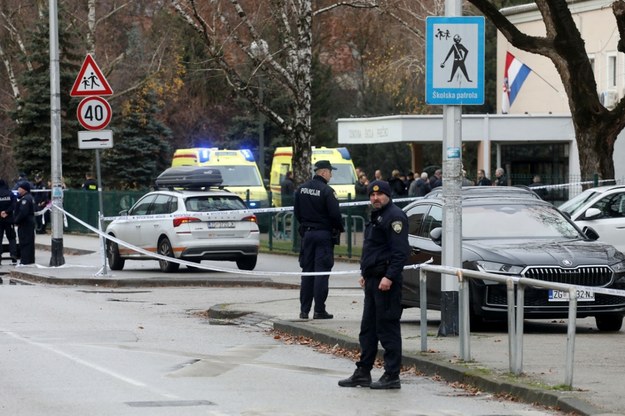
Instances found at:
x=220 y=224
x=583 y=295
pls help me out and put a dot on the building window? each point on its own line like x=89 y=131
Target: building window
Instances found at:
x=611 y=71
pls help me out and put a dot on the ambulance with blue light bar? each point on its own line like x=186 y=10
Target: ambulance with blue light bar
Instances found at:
x=238 y=169
x=343 y=178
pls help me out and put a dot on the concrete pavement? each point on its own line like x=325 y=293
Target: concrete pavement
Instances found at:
x=599 y=357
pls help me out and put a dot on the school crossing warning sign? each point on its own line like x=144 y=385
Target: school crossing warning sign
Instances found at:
x=90 y=80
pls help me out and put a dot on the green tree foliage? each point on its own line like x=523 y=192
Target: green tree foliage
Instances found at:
x=32 y=135
x=142 y=149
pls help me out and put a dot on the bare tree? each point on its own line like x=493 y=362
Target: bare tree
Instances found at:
x=275 y=37
x=596 y=128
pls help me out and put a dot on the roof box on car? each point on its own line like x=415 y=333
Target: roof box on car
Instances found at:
x=189 y=177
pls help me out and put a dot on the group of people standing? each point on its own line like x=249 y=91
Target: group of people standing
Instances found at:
x=384 y=253
x=18 y=210
x=411 y=186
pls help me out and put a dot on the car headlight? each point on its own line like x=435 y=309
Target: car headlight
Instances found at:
x=499 y=268
x=618 y=267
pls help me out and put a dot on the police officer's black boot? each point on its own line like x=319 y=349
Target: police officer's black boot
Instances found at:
x=361 y=377
x=387 y=381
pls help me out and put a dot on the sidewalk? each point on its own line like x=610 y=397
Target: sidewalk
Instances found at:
x=599 y=357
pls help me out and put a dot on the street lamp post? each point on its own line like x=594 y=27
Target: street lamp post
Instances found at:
x=259 y=50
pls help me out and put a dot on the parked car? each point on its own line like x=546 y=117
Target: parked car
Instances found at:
x=511 y=234
x=602 y=208
x=193 y=225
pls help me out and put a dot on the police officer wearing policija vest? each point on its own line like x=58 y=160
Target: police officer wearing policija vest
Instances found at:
x=384 y=254
x=316 y=208
x=25 y=221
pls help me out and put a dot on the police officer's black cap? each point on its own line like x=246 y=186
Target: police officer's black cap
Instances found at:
x=379 y=186
x=323 y=164
x=24 y=185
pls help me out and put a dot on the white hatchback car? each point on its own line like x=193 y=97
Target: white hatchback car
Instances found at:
x=603 y=209
x=189 y=225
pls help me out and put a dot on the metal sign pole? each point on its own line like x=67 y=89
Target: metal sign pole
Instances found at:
x=452 y=204
x=101 y=212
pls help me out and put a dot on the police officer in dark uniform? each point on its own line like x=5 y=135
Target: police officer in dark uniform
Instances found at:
x=25 y=221
x=89 y=184
x=384 y=254
x=7 y=205
x=316 y=208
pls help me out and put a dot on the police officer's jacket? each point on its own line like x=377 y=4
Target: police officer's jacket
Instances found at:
x=386 y=247
x=7 y=203
x=316 y=206
x=25 y=212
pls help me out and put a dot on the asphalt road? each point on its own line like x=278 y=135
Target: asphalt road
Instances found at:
x=83 y=350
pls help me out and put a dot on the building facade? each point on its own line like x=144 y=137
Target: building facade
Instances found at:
x=536 y=136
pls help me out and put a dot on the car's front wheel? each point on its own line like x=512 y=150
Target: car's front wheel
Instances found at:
x=247 y=262
x=116 y=262
x=609 y=323
x=165 y=249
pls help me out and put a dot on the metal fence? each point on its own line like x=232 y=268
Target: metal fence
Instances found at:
x=515 y=297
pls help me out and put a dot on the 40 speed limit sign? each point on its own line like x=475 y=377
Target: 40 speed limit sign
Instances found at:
x=94 y=113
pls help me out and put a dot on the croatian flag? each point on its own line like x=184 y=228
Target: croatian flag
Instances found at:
x=514 y=76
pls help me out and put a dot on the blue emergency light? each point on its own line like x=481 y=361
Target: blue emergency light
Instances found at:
x=344 y=153
x=204 y=155
x=248 y=155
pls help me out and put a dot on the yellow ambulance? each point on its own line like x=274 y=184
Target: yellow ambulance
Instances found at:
x=343 y=178
x=238 y=169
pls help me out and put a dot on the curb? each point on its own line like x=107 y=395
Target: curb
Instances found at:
x=29 y=277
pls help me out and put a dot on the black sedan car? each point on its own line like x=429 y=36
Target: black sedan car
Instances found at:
x=515 y=234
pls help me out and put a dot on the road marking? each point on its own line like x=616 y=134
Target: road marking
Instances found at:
x=95 y=367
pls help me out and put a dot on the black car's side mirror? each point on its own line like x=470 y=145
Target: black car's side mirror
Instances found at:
x=437 y=235
x=590 y=233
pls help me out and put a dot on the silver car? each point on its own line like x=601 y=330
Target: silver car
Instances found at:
x=189 y=225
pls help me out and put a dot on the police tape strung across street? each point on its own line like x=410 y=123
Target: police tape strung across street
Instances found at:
x=157 y=256
x=221 y=214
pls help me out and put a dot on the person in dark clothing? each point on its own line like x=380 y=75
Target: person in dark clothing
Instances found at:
x=287 y=188
x=500 y=177
x=409 y=180
x=361 y=186
x=7 y=205
x=538 y=187
x=25 y=221
x=384 y=254
x=397 y=185
x=89 y=184
x=437 y=179
x=41 y=199
x=316 y=208
x=482 y=180
x=420 y=187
